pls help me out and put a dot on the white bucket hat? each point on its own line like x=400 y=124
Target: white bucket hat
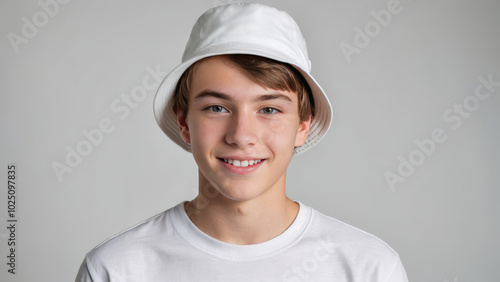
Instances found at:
x=244 y=28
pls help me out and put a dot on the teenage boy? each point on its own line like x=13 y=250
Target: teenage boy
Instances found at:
x=243 y=102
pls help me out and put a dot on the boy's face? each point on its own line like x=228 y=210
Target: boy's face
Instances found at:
x=232 y=119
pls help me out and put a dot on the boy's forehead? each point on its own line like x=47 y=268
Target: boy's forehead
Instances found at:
x=209 y=64
x=218 y=74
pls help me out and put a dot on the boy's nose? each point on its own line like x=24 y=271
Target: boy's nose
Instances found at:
x=242 y=131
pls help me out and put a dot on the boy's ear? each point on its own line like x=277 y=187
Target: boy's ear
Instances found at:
x=183 y=127
x=302 y=132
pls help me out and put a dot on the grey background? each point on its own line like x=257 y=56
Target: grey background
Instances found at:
x=443 y=220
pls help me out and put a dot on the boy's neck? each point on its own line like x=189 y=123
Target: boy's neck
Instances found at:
x=242 y=222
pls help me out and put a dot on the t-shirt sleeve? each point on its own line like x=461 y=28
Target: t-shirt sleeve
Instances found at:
x=399 y=273
x=84 y=273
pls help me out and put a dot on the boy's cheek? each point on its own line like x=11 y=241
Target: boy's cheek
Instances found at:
x=205 y=133
x=276 y=125
x=280 y=128
x=277 y=138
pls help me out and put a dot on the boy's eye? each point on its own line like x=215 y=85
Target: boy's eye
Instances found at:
x=269 y=111
x=216 y=109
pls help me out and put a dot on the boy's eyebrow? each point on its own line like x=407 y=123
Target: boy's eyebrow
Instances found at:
x=224 y=96
x=215 y=94
x=268 y=97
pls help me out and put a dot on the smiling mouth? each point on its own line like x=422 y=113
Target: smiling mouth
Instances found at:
x=239 y=163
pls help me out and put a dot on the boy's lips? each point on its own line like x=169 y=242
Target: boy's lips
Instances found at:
x=241 y=162
x=241 y=165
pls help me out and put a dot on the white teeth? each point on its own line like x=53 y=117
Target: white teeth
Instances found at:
x=244 y=163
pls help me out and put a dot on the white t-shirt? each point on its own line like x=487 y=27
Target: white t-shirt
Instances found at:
x=169 y=247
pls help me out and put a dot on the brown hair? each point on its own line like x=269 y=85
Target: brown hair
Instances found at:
x=263 y=71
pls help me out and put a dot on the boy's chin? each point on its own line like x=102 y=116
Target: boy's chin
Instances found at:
x=240 y=194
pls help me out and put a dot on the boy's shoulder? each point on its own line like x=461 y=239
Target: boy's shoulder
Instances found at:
x=358 y=251
x=347 y=239
x=153 y=230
